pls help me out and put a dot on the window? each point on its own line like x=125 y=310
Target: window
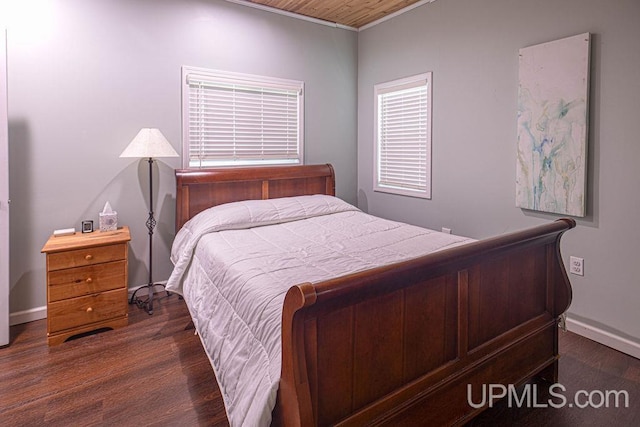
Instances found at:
x=232 y=119
x=403 y=136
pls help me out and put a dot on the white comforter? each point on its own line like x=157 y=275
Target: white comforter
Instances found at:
x=235 y=262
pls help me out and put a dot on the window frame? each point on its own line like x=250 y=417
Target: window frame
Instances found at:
x=243 y=79
x=396 y=86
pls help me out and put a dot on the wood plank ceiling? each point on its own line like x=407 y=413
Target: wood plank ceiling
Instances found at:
x=351 y=13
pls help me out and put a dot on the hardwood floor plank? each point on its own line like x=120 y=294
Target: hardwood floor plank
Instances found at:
x=154 y=372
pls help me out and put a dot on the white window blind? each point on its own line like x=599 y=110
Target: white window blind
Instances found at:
x=403 y=136
x=238 y=119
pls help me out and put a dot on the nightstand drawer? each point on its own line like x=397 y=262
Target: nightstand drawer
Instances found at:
x=75 y=282
x=75 y=312
x=86 y=256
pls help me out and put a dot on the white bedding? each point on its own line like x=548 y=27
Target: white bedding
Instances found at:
x=235 y=262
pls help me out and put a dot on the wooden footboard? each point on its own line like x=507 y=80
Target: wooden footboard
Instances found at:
x=404 y=343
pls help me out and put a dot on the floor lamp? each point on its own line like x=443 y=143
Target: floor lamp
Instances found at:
x=149 y=144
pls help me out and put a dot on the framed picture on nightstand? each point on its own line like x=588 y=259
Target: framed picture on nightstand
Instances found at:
x=87 y=226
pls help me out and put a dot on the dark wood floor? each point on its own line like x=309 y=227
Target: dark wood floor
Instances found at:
x=154 y=372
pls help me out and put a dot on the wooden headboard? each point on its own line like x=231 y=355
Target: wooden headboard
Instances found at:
x=199 y=189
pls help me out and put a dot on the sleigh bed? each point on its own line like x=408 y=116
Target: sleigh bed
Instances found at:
x=411 y=342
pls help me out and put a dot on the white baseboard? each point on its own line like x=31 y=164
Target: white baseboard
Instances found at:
x=26 y=316
x=604 y=337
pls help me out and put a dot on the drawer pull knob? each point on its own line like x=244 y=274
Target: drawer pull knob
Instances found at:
x=88 y=257
x=89 y=280
x=89 y=310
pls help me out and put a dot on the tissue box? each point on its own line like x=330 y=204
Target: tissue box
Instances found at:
x=108 y=221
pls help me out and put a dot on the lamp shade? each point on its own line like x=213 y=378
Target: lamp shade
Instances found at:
x=149 y=142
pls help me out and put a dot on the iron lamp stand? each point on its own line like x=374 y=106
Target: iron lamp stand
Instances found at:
x=147 y=304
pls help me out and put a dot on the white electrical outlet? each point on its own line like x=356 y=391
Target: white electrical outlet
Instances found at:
x=446 y=230
x=576 y=265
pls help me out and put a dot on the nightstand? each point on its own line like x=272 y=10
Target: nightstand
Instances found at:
x=86 y=282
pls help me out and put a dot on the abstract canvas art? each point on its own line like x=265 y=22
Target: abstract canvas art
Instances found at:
x=553 y=110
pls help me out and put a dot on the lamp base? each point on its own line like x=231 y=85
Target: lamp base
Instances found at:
x=147 y=303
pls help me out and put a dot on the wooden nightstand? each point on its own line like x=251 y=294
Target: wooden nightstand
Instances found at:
x=86 y=283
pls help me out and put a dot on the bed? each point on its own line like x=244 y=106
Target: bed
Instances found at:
x=411 y=341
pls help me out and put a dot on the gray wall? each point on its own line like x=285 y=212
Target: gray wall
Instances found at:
x=472 y=49
x=85 y=76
